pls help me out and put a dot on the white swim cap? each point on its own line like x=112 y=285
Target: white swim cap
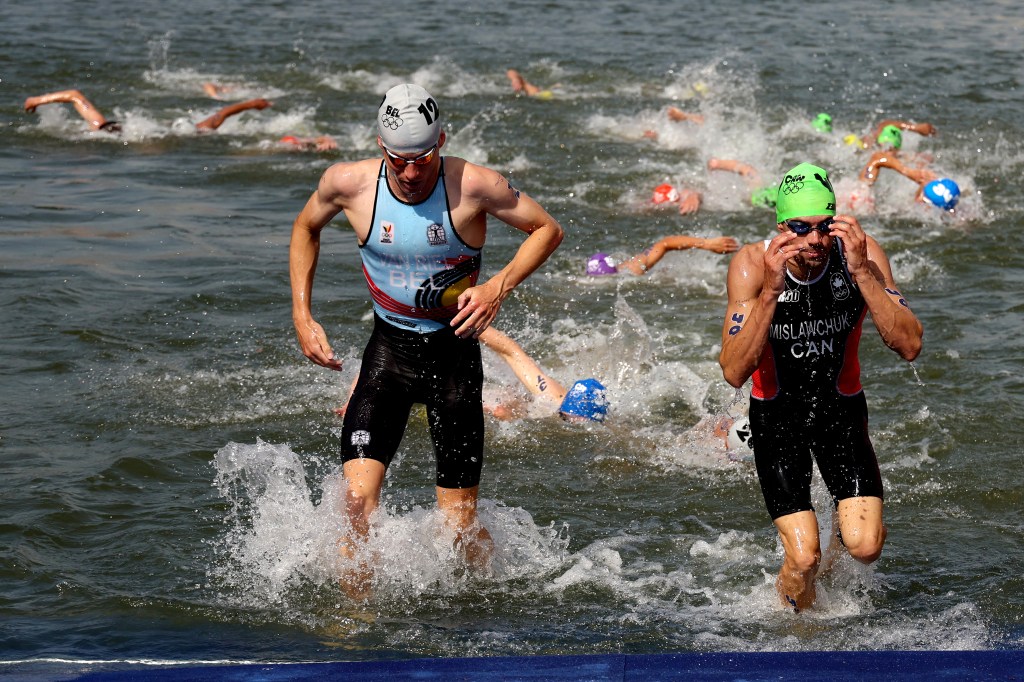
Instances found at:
x=408 y=119
x=740 y=436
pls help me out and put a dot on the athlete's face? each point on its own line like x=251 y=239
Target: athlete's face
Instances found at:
x=814 y=238
x=413 y=174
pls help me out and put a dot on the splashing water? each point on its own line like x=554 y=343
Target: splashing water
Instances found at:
x=279 y=541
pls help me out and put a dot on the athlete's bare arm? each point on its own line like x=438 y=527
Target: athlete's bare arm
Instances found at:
x=869 y=267
x=756 y=278
x=344 y=187
x=522 y=365
x=475 y=193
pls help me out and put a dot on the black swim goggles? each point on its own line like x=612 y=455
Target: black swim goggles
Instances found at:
x=802 y=227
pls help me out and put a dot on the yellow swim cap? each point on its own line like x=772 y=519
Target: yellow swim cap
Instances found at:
x=855 y=141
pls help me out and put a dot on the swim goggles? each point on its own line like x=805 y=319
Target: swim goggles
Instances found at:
x=400 y=162
x=802 y=227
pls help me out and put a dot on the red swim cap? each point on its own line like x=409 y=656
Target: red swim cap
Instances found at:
x=290 y=139
x=665 y=193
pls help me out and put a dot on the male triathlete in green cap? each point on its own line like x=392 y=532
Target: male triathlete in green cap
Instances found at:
x=795 y=313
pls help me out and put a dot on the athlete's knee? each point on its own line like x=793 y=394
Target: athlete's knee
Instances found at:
x=861 y=528
x=803 y=560
x=865 y=544
x=800 y=544
x=363 y=479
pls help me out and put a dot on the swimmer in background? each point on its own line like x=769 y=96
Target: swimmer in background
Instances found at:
x=822 y=123
x=97 y=121
x=521 y=86
x=217 y=90
x=586 y=400
x=884 y=130
x=761 y=195
x=674 y=113
x=677 y=114
x=640 y=264
x=932 y=188
x=888 y=134
x=688 y=200
x=320 y=143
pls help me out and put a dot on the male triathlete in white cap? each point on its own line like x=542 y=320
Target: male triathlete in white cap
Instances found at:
x=421 y=221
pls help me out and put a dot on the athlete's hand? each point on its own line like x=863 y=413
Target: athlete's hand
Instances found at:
x=478 y=306
x=720 y=245
x=313 y=342
x=689 y=202
x=780 y=249
x=855 y=244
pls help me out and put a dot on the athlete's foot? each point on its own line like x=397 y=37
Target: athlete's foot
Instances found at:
x=357 y=585
x=356 y=579
x=478 y=552
x=798 y=596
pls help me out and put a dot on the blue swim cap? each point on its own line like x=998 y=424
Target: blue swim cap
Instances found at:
x=601 y=264
x=942 y=193
x=585 y=399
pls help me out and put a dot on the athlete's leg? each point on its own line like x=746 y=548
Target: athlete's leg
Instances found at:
x=802 y=554
x=861 y=527
x=852 y=476
x=363 y=479
x=456 y=418
x=458 y=506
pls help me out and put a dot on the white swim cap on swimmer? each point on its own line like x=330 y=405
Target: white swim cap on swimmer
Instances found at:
x=740 y=436
x=408 y=119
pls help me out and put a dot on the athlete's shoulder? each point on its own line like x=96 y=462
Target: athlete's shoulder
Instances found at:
x=750 y=254
x=470 y=176
x=746 y=269
x=349 y=178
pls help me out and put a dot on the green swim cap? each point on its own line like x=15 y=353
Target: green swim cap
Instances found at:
x=764 y=197
x=891 y=136
x=822 y=123
x=805 y=191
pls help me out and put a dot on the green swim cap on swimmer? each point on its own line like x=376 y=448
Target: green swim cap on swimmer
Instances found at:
x=805 y=191
x=764 y=197
x=822 y=123
x=891 y=136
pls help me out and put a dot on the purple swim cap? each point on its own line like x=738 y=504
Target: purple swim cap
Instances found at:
x=601 y=264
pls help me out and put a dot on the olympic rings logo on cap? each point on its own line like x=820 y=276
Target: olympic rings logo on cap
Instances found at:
x=792 y=184
x=393 y=122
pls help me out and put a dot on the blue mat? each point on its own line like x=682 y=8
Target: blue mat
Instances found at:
x=753 y=667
